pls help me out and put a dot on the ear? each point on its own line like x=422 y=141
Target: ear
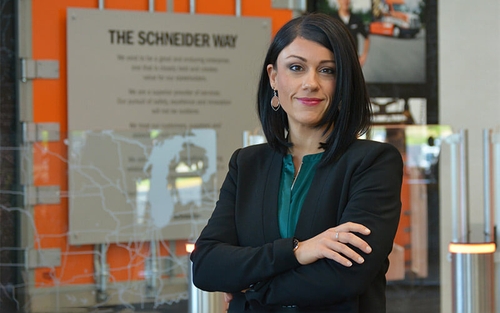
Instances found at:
x=271 y=72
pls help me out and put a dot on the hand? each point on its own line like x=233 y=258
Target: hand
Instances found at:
x=362 y=59
x=332 y=244
x=227 y=298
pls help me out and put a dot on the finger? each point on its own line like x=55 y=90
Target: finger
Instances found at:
x=353 y=227
x=346 y=253
x=354 y=240
x=339 y=258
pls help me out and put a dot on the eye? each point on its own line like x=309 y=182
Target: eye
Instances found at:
x=295 y=68
x=328 y=70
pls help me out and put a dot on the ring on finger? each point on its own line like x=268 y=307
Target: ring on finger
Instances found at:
x=337 y=236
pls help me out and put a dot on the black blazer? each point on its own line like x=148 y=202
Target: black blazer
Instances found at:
x=241 y=249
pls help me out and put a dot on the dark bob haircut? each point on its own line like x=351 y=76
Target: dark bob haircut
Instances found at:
x=349 y=113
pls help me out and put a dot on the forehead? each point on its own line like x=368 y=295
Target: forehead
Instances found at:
x=305 y=48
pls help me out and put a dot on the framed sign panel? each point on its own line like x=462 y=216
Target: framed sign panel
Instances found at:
x=157 y=103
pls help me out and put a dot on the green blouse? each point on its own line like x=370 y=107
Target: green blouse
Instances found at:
x=293 y=191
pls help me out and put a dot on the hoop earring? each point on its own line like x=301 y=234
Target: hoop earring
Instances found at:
x=275 y=102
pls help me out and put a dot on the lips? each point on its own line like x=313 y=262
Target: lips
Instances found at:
x=309 y=101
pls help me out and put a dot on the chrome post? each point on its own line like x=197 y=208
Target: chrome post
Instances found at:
x=201 y=301
x=152 y=270
x=464 y=188
x=238 y=8
x=495 y=140
x=454 y=140
x=472 y=263
x=192 y=6
x=101 y=269
x=488 y=217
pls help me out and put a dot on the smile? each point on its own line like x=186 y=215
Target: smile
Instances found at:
x=309 y=101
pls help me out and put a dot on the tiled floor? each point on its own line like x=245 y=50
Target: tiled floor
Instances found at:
x=399 y=300
x=413 y=299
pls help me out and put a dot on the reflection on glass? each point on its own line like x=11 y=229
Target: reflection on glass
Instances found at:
x=128 y=185
x=185 y=182
x=112 y=176
x=414 y=260
x=188 y=190
x=141 y=199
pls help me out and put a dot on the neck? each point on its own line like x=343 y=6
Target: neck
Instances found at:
x=304 y=144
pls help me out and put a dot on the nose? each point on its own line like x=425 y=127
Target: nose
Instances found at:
x=310 y=81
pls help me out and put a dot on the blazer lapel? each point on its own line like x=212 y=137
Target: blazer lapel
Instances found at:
x=313 y=203
x=270 y=203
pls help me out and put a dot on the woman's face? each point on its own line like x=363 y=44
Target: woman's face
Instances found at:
x=305 y=79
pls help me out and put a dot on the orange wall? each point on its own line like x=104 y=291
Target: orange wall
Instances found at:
x=50 y=105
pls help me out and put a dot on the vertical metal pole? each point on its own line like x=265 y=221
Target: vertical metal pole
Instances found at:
x=192 y=6
x=488 y=221
x=472 y=263
x=170 y=5
x=202 y=301
x=152 y=269
x=195 y=295
x=151 y=6
x=464 y=188
x=101 y=5
x=453 y=140
x=104 y=268
x=101 y=272
x=495 y=139
x=238 y=8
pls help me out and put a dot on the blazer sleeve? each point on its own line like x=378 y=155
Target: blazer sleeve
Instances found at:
x=373 y=200
x=219 y=262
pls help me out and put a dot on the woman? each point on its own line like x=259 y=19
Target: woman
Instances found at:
x=306 y=221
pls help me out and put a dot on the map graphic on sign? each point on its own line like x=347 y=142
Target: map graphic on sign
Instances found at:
x=139 y=185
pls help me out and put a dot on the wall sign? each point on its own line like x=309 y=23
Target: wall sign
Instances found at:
x=157 y=102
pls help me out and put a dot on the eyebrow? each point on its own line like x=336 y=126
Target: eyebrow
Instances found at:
x=305 y=60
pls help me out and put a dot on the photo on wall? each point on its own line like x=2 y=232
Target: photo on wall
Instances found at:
x=401 y=111
x=390 y=37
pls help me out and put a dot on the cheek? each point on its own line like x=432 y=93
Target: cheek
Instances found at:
x=331 y=94
x=284 y=87
x=332 y=91
x=333 y=86
x=282 y=82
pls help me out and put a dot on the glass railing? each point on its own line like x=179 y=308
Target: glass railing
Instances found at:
x=102 y=218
